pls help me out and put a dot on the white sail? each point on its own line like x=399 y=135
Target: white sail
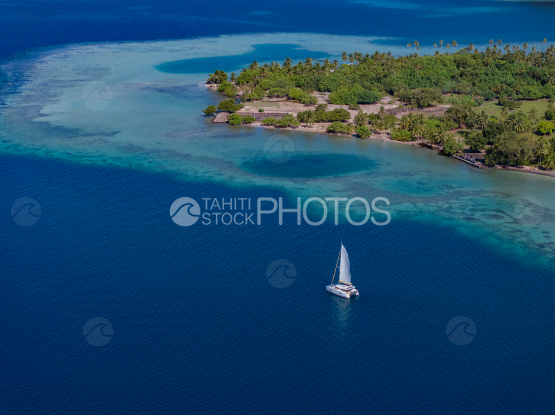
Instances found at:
x=344 y=268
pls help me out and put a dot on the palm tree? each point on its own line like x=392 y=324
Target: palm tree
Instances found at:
x=491 y=41
x=381 y=113
x=441 y=137
x=454 y=43
x=287 y=63
x=310 y=119
x=344 y=56
x=435 y=45
x=483 y=120
x=533 y=114
x=511 y=120
x=550 y=162
x=418 y=132
x=542 y=149
x=408 y=121
x=441 y=43
x=471 y=46
x=520 y=126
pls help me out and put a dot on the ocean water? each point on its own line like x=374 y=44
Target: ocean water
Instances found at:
x=202 y=319
x=28 y=24
x=198 y=327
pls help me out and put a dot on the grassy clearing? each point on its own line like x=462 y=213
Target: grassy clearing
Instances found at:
x=491 y=107
x=259 y=104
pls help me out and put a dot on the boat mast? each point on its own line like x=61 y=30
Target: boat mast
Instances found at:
x=336 y=266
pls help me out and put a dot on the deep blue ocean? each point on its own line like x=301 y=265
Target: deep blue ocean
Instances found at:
x=197 y=326
x=28 y=24
x=199 y=329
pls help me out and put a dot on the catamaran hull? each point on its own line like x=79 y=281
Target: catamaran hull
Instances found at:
x=341 y=293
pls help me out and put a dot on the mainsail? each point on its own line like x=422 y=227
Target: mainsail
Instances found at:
x=344 y=268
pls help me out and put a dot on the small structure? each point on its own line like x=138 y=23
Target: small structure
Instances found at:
x=221 y=117
x=471 y=161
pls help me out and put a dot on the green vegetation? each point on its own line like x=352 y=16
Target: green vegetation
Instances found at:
x=545 y=127
x=228 y=89
x=515 y=74
x=287 y=120
x=211 y=109
x=323 y=116
x=339 y=127
x=235 y=119
x=355 y=94
x=401 y=135
x=363 y=131
x=217 y=77
x=498 y=96
x=451 y=145
x=476 y=141
x=229 y=105
x=248 y=119
x=493 y=108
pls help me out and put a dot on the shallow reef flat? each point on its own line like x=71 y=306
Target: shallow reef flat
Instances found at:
x=117 y=104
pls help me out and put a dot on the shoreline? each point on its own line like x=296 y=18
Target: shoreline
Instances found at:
x=321 y=128
x=385 y=137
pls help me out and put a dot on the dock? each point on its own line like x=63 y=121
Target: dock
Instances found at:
x=468 y=161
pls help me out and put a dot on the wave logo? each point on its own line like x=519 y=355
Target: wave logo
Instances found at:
x=26 y=211
x=281 y=273
x=279 y=149
x=185 y=211
x=97 y=95
x=98 y=331
x=461 y=330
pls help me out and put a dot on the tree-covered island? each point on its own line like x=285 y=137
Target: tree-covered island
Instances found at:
x=492 y=107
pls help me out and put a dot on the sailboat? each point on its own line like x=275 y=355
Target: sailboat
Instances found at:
x=344 y=288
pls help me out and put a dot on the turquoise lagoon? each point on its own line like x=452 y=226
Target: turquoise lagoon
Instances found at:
x=131 y=105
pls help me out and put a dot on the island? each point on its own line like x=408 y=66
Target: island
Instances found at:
x=490 y=108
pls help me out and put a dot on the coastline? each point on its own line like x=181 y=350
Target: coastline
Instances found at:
x=321 y=128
